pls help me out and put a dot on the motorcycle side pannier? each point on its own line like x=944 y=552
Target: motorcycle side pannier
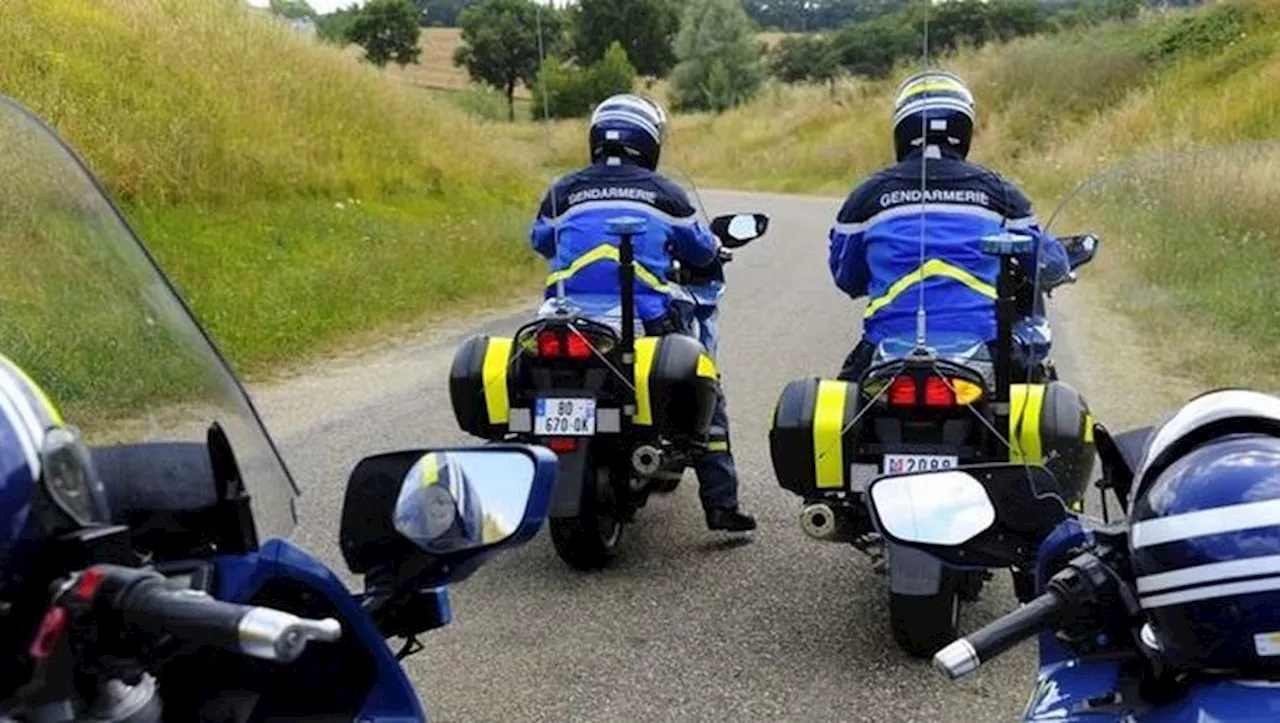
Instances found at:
x=806 y=442
x=675 y=386
x=1050 y=424
x=478 y=386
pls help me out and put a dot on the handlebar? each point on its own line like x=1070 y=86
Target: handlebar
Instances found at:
x=966 y=654
x=1084 y=580
x=140 y=599
x=712 y=272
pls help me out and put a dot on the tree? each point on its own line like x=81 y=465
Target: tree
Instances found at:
x=500 y=43
x=291 y=9
x=387 y=30
x=805 y=58
x=645 y=28
x=564 y=91
x=334 y=26
x=873 y=47
x=720 y=59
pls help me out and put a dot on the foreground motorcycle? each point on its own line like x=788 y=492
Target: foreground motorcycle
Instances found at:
x=175 y=595
x=625 y=413
x=1101 y=658
x=1090 y=606
x=935 y=401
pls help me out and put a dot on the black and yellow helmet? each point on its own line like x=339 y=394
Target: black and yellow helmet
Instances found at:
x=933 y=107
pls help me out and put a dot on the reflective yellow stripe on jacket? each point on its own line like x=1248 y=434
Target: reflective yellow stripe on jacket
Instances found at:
x=430 y=472
x=931 y=268
x=606 y=252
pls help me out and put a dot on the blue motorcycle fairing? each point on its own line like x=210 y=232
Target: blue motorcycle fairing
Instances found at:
x=1032 y=340
x=391 y=697
x=1063 y=687
x=1063 y=690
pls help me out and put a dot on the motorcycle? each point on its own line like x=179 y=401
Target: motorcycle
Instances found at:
x=1098 y=659
x=175 y=595
x=935 y=401
x=625 y=413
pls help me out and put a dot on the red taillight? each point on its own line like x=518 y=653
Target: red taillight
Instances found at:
x=562 y=444
x=902 y=392
x=548 y=344
x=578 y=346
x=937 y=393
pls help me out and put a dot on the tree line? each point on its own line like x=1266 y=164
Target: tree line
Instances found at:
x=572 y=58
x=873 y=48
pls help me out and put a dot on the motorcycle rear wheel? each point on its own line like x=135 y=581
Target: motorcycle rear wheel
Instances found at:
x=589 y=540
x=923 y=624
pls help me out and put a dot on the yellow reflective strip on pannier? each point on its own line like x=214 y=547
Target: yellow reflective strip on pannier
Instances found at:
x=1026 y=403
x=497 y=355
x=646 y=350
x=828 y=426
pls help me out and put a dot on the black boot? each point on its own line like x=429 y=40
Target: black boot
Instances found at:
x=730 y=520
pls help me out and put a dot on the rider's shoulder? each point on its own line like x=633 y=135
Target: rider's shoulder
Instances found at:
x=994 y=177
x=866 y=191
x=672 y=198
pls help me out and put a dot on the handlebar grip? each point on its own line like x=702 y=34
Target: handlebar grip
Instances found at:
x=965 y=655
x=142 y=600
x=151 y=606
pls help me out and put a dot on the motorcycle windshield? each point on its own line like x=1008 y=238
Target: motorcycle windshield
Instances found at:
x=1177 y=297
x=91 y=318
x=704 y=294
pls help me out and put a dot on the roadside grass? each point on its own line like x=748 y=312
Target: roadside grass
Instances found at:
x=307 y=275
x=297 y=198
x=1194 y=237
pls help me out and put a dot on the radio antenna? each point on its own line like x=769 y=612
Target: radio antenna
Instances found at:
x=546 y=124
x=921 y=317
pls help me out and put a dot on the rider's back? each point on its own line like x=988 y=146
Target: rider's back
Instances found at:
x=879 y=229
x=571 y=232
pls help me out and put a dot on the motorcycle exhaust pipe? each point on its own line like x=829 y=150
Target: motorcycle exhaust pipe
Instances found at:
x=646 y=460
x=651 y=462
x=823 y=522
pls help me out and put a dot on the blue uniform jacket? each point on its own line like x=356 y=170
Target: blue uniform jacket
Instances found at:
x=570 y=233
x=875 y=247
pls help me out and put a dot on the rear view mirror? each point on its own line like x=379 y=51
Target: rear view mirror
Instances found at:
x=426 y=512
x=1080 y=249
x=451 y=501
x=738 y=229
x=991 y=516
x=941 y=508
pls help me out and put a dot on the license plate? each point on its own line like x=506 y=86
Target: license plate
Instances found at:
x=575 y=416
x=909 y=463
